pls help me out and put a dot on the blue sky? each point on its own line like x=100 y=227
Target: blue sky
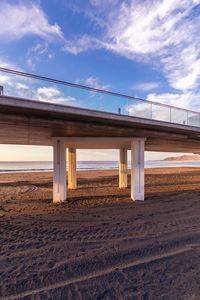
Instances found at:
x=147 y=49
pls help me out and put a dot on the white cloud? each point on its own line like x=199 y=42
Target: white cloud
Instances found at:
x=187 y=100
x=164 y=33
x=148 y=27
x=4 y=63
x=35 y=52
x=94 y=82
x=19 y=86
x=84 y=43
x=15 y=85
x=51 y=55
x=5 y=78
x=19 y=20
x=53 y=95
x=139 y=109
x=145 y=86
x=31 y=64
x=39 y=48
x=160 y=29
x=22 y=86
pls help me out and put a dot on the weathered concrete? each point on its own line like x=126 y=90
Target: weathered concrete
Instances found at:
x=137 y=166
x=123 y=168
x=72 y=182
x=137 y=169
x=59 y=179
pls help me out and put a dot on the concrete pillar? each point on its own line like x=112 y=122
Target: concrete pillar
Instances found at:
x=123 y=168
x=72 y=183
x=59 y=178
x=137 y=169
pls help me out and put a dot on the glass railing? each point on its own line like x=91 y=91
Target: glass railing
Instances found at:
x=28 y=86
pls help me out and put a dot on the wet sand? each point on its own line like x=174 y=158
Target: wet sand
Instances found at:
x=100 y=244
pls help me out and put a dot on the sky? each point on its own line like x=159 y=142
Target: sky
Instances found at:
x=147 y=49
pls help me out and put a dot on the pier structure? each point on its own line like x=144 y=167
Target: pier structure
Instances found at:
x=136 y=145
x=31 y=122
x=28 y=122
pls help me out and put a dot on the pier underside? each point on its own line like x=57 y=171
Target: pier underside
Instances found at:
x=27 y=122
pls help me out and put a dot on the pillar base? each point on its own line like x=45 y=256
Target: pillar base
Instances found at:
x=123 y=168
x=59 y=177
x=137 y=169
x=72 y=182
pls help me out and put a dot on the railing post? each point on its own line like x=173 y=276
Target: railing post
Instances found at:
x=1 y=90
x=101 y=106
x=151 y=116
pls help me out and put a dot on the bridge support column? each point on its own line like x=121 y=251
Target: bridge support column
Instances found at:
x=72 y=182
x=122 y=168
x=137 y=169
x=59 y=178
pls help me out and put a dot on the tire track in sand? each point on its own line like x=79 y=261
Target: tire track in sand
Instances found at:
x=101 y=272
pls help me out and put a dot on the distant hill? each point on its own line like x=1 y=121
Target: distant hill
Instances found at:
x=195 y=157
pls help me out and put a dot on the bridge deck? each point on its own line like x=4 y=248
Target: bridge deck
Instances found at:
x=28 y=122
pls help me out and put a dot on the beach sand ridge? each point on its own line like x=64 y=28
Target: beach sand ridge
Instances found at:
x=100 y=244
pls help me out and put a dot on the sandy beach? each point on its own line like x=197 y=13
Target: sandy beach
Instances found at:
x=100 y=244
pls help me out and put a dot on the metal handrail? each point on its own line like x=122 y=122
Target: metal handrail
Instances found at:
x=91 y=89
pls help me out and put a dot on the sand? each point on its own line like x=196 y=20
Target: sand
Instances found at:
x=99 y=244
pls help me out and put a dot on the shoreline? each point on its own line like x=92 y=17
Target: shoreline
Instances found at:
x=29 y=167
x=147 y=170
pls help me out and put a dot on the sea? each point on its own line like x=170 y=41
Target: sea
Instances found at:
x=47 y=166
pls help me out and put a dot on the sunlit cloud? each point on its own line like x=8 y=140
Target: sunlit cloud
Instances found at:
x=145 y=86
x=31 y=64
x=17 y=86
x=39 y=48
x=164 y=33
x=82 y=44
x=188 y=100
x=5 y=78
x=27 y=19
x=36 y=52
x=5 y=63
x=95 y=82
x=139 y=109
x=52 y=95
x=171 y=112
x=22 y=86
x=19 y=20
x=28 y=88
